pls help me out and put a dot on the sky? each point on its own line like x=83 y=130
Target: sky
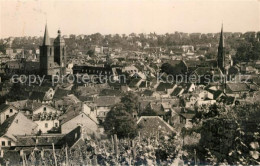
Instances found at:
x=28 y=17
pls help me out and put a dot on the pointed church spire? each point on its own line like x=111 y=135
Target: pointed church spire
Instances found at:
x=46 y=39
x=221 y=40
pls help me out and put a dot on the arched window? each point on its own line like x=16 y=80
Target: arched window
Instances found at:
x=50 y=51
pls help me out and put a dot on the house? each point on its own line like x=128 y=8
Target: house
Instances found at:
x=190 y=100
x=130 y=69
x=188 y=87
x=186 y=117
x=165 y=89
x=18 y=124
x=110 y=92
x=237 y=89
x=26 y=144
x=41 y=93
x=152 y=125
x=150 y=93
x=79 y=115
x=7 y=111
x=46 y=117
x=103 y=105
x=46 y=109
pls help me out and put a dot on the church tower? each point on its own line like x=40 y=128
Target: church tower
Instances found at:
x=60 y=53
x=221 y=52
x=46 y=55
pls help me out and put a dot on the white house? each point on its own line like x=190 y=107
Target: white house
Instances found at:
x=46 y=109
x=46 y=117
x=6 y=111
x=18 y=124
x=79 y=115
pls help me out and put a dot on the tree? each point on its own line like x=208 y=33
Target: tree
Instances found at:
x=130 y=102
x=91 y=53
x=119 y=121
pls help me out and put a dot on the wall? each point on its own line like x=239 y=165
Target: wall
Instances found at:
x=6 y=141
x=51 y=124
x=7 y=112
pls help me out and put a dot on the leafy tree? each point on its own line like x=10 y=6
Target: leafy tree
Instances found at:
x=119 y=121
x=228 y=138
x=130 y=102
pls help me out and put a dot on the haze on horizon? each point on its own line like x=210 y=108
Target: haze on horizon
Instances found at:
x=28 y=18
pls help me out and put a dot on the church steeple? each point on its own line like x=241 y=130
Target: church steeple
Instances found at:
x=221 y=40
x=221 y=52
x=46 y=39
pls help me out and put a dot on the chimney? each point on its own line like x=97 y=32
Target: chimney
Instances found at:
x=6 y=102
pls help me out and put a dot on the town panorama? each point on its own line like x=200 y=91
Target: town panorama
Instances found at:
x=130 y=99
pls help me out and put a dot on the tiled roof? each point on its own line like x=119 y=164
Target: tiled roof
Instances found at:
x=148 y=92
x=72 y=111
x=153 y=124
x=237 y=87
x=106 y=101
x=110 y=92
x=59 y=93
x=4 y=127
x=164 y=86
x=3 y=107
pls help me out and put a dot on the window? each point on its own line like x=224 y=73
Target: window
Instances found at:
x=46 y=125
x=9 y=143
x=44 y=109
x=3 y=143
x=11 y=110
x=56 y=124
x=7 y=116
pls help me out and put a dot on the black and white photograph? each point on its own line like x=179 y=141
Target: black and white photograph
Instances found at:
x=129 y=82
